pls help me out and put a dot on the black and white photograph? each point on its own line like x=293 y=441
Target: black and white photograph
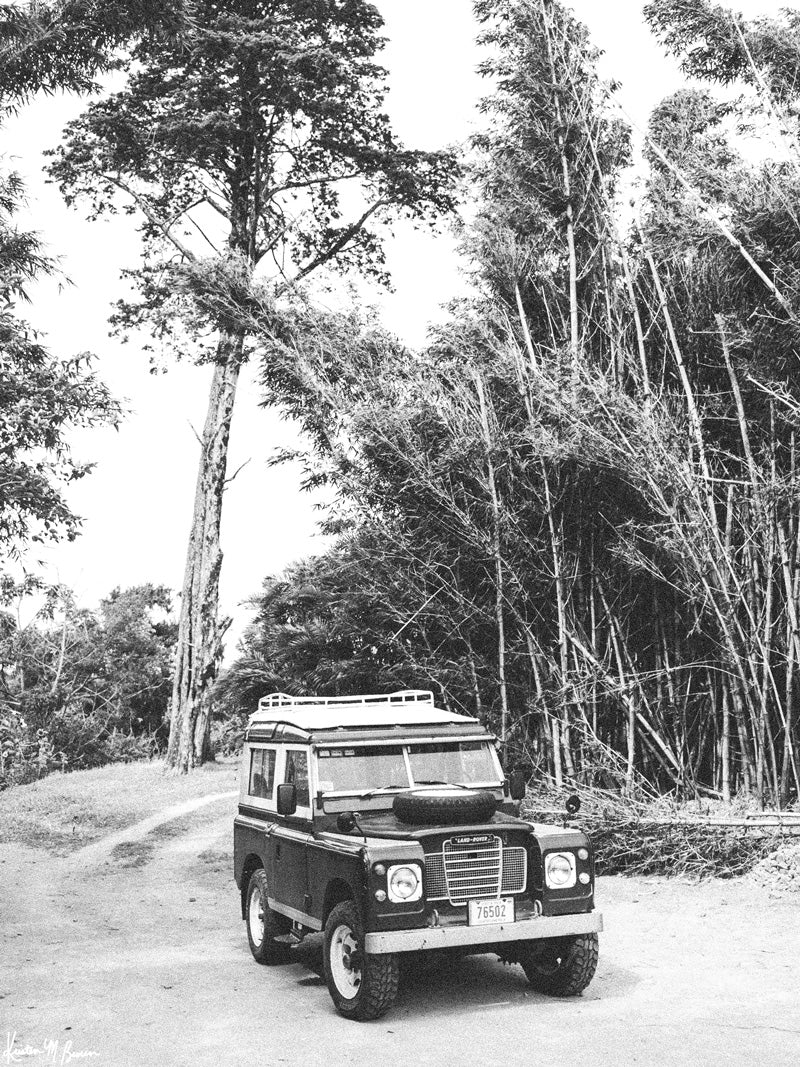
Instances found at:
x=399 y=533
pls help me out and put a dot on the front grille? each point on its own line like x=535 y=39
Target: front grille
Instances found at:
x=468 y=868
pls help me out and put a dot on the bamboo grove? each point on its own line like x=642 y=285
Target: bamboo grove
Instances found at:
x=576 y=512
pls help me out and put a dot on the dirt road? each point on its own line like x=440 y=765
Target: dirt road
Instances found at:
x=133 y=952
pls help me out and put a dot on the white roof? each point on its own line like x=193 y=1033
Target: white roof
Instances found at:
x=406 y=708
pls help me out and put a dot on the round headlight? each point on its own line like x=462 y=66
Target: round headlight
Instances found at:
x=404 y=883
x=560 y=870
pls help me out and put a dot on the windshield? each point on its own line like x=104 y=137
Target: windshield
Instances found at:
x=466 y=763
x=378 y=767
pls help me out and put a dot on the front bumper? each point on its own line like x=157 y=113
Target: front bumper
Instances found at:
x=431 y=937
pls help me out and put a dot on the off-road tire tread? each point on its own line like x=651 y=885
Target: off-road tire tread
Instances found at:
x=429 y=810
x=572 y=977
x=271 y=952
x=379 y=973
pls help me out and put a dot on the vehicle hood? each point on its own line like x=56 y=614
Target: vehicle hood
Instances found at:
x=386 y=824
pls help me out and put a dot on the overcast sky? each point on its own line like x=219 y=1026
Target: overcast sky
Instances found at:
x=137 y=503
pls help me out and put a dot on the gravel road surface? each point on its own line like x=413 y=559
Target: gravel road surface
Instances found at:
x=132 y=951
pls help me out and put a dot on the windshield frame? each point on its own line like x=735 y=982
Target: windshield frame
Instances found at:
x=404 y=745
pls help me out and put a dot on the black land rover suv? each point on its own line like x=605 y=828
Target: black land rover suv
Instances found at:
x=389 y=825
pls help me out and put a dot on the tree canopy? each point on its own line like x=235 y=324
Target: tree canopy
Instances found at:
x=43 y=399
x=261 y=135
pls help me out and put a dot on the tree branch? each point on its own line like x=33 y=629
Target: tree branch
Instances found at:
x=337 y=246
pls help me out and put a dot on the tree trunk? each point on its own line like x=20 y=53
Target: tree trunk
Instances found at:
x=199 y=648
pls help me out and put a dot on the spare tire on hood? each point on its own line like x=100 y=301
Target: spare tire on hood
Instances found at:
x=430 y=805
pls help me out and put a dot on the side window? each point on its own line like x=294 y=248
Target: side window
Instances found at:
x=262 y=773
x=297 y=772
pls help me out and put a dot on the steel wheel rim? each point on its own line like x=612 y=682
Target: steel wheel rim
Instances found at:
x=346 y=976
x=255 y=915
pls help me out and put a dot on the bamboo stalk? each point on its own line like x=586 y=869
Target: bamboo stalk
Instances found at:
x=691 y=404
x=498 y=560
x=562 y=625
x=725 y=755
x=567 y=180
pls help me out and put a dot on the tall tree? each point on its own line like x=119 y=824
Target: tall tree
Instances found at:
x=256 y=142
x=550 y=157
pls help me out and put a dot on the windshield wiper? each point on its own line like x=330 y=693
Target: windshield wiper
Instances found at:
x=382 y=789
x=438 y=781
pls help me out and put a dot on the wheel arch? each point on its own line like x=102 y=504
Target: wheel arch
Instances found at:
x=336 y=892
x=252 y=863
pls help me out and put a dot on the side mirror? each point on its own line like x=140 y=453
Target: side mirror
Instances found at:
x=573 y=804
x=346 y=822
x=287 y=798
x=517 y=785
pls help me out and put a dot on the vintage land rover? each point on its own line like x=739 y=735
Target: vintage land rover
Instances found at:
x=390 y=825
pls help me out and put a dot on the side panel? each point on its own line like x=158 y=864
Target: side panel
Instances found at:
x=286 y=869
x=331 y=865
x=249 y=838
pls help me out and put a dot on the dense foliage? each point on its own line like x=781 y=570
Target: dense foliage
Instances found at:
x=79 y=688
x=576 y=512
x=67 y=44
x=42 y=400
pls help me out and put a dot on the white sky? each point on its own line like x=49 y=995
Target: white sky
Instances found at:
x=137 y=503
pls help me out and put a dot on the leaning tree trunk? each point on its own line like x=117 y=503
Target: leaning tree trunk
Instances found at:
x=199 y=647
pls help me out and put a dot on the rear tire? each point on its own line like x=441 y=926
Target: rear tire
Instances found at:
x=362 y=986
x=560 y=966
x=263 y=924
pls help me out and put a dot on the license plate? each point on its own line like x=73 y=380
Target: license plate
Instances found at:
x=484 y=912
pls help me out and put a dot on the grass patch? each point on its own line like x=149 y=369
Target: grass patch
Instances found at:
x=132 y=853
x=215 y=860
x=66 y=811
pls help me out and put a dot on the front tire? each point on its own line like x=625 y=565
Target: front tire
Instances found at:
x=562 y=966
x=362 y=986
x=263 y=924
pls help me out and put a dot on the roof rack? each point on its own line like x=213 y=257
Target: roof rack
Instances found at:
x=402 y=696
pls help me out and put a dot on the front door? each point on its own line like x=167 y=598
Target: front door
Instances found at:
x=288 y=880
